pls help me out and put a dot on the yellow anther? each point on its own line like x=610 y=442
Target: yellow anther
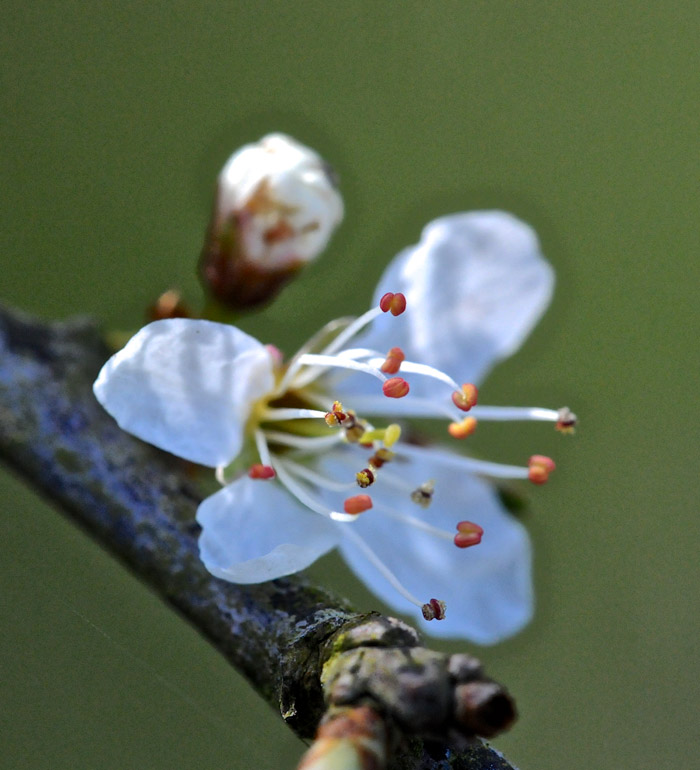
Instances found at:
x=370 y=436
x=392 y=434
x=364 y=478
x=462 y=429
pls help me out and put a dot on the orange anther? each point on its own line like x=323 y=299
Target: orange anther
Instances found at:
x=462 y=429
x=260 y=471
x=394 y=358
x=396 y=387
x=468 y=534
x=434 y=610
x=357 y=504
x=393 y=303
x=466 y=398
x=539 y=468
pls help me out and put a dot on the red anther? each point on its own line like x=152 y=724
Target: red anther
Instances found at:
x=259 y=471
x=466 y=398
x=462 y=429
x=394 y=358
x=468 y=534
x=364 y=478
x=357 y=504
x=434 y=610
x=396 y=387
x=539 y=468
x=393 y=303
x=567 y=421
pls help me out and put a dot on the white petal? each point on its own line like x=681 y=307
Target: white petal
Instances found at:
x=253 y=531
x=487 y=587
x=475 y=285
x=187 y=386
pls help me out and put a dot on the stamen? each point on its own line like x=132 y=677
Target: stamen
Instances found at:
x=389 y=435
x=370 y=436
x=352 y=329
x=381 y=456
x=539 y=468
x=469 y=464
x=304 y=497
x=306 y=473
x=336 y=415
x=307 y=443
x=337 y=362
x=508 y=413
x=566 y=421
x=412 y=521
x=294 y=365
x=220 y=475
x=262 y=447
x=468 y=534
x=411 y=367
x=381 y=567
x=465 y=398
x=259 y=471
x=392 y=434
x=396 y=387
x=434 y=610
x=283 y=414
x=394 y=358
x=357 y=504
x=414 y=407
x=354 y=428
x=423 y=495
x=364 y=478
x=393 y=303
x=462 y=429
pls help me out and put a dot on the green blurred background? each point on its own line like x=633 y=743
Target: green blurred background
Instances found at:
x=582 y=119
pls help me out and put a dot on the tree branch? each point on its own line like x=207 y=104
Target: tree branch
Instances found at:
x=302 y=648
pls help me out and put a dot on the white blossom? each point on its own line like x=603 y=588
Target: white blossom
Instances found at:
x=291 y=441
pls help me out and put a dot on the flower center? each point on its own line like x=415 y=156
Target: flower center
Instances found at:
x=294 y=427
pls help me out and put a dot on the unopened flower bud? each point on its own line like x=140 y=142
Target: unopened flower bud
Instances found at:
x=276 y=208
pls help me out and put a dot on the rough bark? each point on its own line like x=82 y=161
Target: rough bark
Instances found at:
x=302 y=648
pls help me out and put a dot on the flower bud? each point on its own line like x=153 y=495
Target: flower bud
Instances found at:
x=276 y=208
